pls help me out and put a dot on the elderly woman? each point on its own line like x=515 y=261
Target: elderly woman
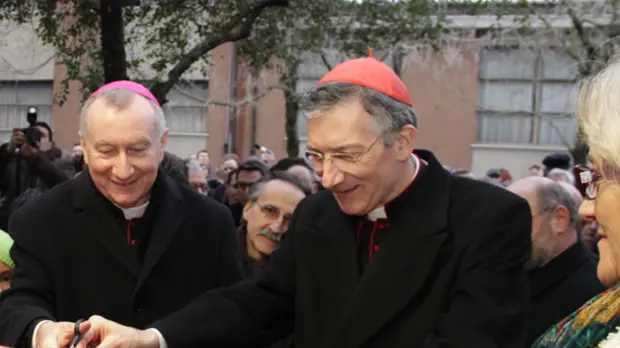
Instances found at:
x=597 y=322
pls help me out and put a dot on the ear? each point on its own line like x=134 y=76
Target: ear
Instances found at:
x=163 y=141
x=84 y=150
x=560 y=222
x=246 y=210
x=405 y=142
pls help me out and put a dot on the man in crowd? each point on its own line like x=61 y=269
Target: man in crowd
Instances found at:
x=6 y=262
x=197 y=177
x=24 y=166
x=296 y=166
x=267 y=214
x=562 y=271
x=122 y=239
x=395 y=252
x=244 y=177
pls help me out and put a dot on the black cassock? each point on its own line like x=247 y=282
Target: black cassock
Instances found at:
x=450 y=273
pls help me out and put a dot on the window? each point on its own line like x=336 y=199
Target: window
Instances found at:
x=526 y=97
x=16 y=97
x=186 y=108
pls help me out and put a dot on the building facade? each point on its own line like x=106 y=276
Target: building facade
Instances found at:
x=477 y=107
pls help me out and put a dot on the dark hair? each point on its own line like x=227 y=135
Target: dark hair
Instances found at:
x=534 y=166
x=230 y=156
x=49 y=129
x=175 y=167
x=201 y=151
x=257 y=188
x=288 y=162
x=252 y=165
x=233 y=173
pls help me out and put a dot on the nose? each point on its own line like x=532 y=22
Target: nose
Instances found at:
x=278 y=225
x=586 y=209
x=123 y=169
x=331 y=176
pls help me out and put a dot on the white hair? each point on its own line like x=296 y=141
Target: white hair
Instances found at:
x=121 y=99
x=599 y=110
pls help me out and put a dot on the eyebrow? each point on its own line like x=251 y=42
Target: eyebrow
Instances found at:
x=141 y=141
x=340 y=148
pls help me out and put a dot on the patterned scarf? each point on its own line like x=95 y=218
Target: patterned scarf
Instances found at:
x=594 y=325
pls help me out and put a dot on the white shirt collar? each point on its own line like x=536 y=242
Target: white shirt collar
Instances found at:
x=134 y=212
x=379 y=212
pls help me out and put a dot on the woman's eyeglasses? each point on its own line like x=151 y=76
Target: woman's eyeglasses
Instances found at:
x=586 y=181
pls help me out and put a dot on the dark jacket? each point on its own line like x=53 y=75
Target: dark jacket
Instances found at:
x=73 y=261
x=450 y=274
x=19 y=173
x=561 y=287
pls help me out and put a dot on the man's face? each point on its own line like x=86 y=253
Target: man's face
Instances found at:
x=76 y=151
x=542 y=235
x=5 y=276
x=244 y=181
x=270 y=214
x=535 y=171
x=204 y=158
x=45 y=143
x=123 y=149
x=198 y=181
x=358 y=168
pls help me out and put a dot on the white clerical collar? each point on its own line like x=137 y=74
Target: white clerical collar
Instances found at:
x=379 y=212
x=134 y=212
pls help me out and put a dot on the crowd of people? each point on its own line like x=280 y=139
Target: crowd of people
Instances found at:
x=366 y=241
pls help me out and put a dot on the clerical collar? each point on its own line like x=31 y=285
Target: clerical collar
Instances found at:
x=134 y=212
x=379 y=212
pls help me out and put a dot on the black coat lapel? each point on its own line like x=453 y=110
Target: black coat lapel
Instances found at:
x=169 y=215
x=403 y=265
x=98 y=221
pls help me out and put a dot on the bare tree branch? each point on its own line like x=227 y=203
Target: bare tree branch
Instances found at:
x=326 y=62
x=252 y=99
x=237 y=28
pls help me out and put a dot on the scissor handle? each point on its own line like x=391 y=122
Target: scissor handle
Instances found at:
x=77 y=336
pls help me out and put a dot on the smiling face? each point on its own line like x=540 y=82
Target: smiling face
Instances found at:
x=603 y=209
x=123 y=150
x=356 y=166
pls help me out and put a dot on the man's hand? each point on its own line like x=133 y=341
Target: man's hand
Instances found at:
x=17 y=139
x=57 y=335
x=105 y=333
x=28 y=150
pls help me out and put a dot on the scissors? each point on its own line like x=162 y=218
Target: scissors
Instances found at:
x=77 y=336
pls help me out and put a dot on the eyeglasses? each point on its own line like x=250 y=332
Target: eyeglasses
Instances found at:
x=587 y=181
x=273 y=213
x=342 y=160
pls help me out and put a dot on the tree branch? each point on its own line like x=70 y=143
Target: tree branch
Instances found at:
x=255 y=98
x=237 y=28
x=326 y=62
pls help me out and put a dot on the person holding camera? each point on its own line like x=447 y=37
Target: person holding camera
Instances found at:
x=28 y=161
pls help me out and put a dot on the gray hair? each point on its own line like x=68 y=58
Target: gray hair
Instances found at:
x=256 y=190
x=193 y=165
x=388 y=114
x=552 y=195
x=566 y=173
x=121 y=99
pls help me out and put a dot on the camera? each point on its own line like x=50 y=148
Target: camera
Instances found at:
x=32 y=132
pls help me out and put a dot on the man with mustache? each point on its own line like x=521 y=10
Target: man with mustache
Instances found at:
x=266 y=216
